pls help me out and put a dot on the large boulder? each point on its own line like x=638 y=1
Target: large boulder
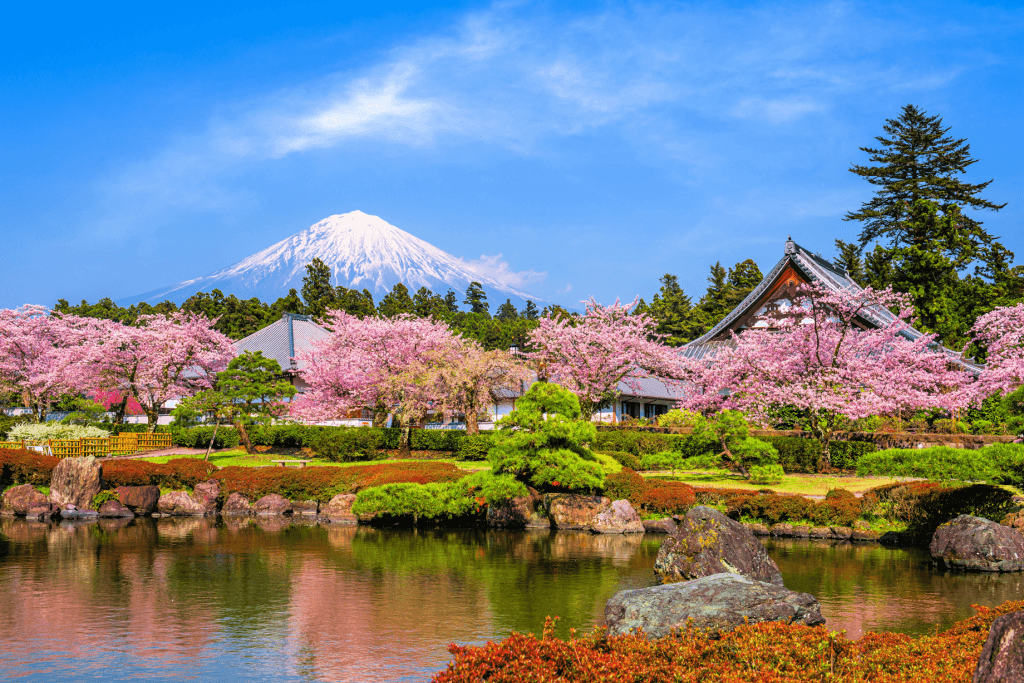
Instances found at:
x=272 y=504
x=112 y=508
x=180 y=504
x=574 y=511
x=236 y=504
x=141 y=500
x=339 y=509
x=207 y=493
x=720 y=602
x=618 y=518
x=524 y=512
x=707 y=542
x=75 y=481
x=665 y=525
x=20 y=499
x=305 y=508
x=974 y=544
x=1002 y=658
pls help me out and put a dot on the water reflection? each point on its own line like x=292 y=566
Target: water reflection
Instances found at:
x=172 y=599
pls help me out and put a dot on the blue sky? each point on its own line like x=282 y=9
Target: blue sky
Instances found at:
x=601 y=144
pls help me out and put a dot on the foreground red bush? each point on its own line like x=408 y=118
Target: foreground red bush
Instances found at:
x=177 y=473
x=758 y=653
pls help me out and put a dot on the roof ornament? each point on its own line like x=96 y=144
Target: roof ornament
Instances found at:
x=790 y=245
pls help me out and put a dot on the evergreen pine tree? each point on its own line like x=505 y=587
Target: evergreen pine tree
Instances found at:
x=476 y=299
x=317 y=291
x=530 y=311
x=743 y=277
x=675 y=313
x=396 y=302
x=715 y=301
x=507 y=311
x=850 y=260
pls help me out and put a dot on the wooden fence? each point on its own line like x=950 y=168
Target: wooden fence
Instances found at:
x=127 y=443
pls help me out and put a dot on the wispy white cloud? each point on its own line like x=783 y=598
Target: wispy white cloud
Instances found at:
x=495 y=268
x=517 y=76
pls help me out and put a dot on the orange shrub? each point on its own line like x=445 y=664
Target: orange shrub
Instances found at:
x=22 y=466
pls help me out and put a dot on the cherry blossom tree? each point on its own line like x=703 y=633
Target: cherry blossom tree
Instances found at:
x=472 y=379
x=822 y=356
x=385 y=364
x=162 y=358
x=591 y=354
x=42 y=355
x=120 y=402
x=1001 y=334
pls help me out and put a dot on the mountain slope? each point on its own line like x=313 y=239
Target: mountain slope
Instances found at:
x=363 y=251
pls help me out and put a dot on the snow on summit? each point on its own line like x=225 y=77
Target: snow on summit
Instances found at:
x=363 y=251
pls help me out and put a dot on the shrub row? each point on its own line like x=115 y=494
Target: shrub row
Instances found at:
x=763 y=653
x=174 y=474
x=802 y=455
x=1001 y=463
x=925 y=505
x=651 y=496
x=20 y=466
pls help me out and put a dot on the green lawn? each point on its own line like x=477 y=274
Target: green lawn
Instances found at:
x=804 y=484
x=238 y=458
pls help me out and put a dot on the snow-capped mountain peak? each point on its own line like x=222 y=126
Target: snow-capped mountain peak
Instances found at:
x=362 y=251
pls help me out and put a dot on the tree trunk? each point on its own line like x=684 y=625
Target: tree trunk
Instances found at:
x=472 y=426
x=405 y=436
x=243 y=436
x=121 y=409
x=151 y=417
x=212 y=439
x=380 y=414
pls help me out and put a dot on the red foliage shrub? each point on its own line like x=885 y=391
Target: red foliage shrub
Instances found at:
x=322 y=483
x=23 y=466
x=624 y=484
x=175 y=474
x=650 y=495
x=756 y=653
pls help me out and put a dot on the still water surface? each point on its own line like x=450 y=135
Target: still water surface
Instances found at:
x=267 y=600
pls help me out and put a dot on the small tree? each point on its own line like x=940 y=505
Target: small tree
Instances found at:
x=473 y=379
x=544 y=444
x=254 y=386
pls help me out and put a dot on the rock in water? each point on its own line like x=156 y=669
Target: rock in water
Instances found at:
x=112 y=508
x=339 y=509
x=974 y=544
x=618 y=518
x=707 y=542
x=180 y=504
x=272 y=504
x=306 y=508
x=139 y=499
x=237 y=504
x=207 y=493
x=18 y=500
x=720 y=602
x=75 y=481
x=1002 y=658
x=666 y=525
x=573 y=511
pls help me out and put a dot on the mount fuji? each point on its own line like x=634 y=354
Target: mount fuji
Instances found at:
x=362 y=251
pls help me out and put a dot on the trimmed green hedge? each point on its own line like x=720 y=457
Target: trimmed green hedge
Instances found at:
x=802 y=455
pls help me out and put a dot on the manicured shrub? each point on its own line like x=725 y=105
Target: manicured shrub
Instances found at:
x=26 y=431
x=836 y=511
x=667 y=498
x=9 y=421
x=623 y=458
x=923 y=506
x=436 y=439
x=417 y=503
x=473 y=447
x=346 y=445
x=939 y=463
x=772 y=508
x=769 y=652
x=802 y=455
x=323 y=483
x=175 y=474
x=20 y=466
x=840 y=494
x=199 y=437
x=625 y=484
x=766 y=474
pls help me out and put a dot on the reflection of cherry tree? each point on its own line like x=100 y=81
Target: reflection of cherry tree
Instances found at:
x=162 y=358
x=383 y=364
x=41 y=355
x=818 y=356
x=591 y=354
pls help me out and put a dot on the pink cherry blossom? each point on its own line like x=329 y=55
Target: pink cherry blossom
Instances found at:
x=591 y=354
x=1001 y=333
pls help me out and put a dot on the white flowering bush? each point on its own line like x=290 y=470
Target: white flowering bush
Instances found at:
x=53 y=430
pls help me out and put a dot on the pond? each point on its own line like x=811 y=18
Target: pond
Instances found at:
x=248 y=600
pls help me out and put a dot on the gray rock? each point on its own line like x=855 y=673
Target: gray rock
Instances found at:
x=75 y=513
x=141 y=500
x=180 y=504
x=782 y=530
x=236 y=504
x=820 y=532
x=974 y=544
x=758 y=529
x=18 y=500
x=1002 y=658
x=339 y=509
x=112 y=508
x=75 y=481
x=272 y=504
x=707 y=542
x=665 y=525
x=618 y=518
x=843 y=533
x=720 y=602
x=305 y=508
x=865 y=536
x=801 y=532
